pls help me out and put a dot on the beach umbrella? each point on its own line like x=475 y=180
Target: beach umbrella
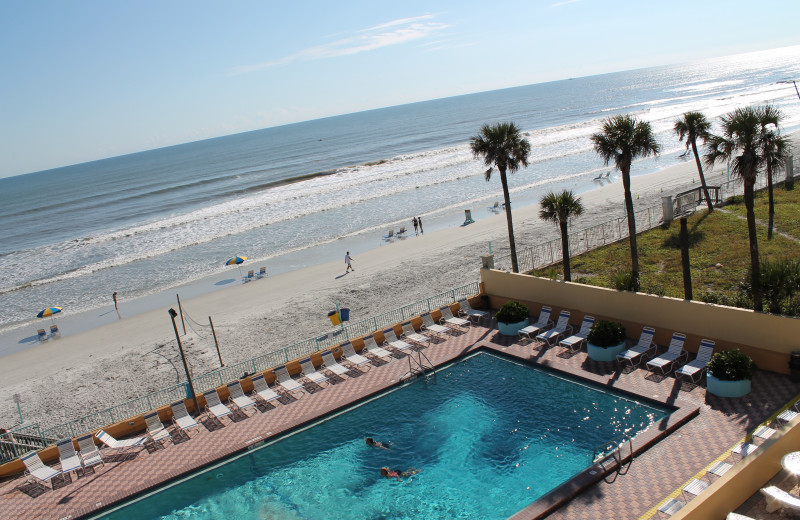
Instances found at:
x=236 y=260
x=49 y=313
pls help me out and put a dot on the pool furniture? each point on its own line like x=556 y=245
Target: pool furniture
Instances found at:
x=237 y=397
x=694 y=369
x=36 y=468
x=466 y=310
x=214 y=405
x=181 y=417
x=391 y=339
x=778 y=498
x=447 y=317
x=350 y=355
x=413 y=336
x=401 y=231
x=543 y=323
x=54 y=332
x=70 y=461
x=645 y=347
x=116 y=444
x=430 y=326
x=261 y=273
x=262 y=389
x=695 y=487
x=743 y=449
x=371 y=347
x=155 y=428
x=561 y=329
x=790 y=413
x=667 y=360
x=42 y=334
x=575 y=341
x=89 y=453
x=329 y=363
x=671 y=506
x=310 y=371
x=285 y=380
x=719 y=469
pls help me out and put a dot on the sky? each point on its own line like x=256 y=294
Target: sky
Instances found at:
x=85 y=80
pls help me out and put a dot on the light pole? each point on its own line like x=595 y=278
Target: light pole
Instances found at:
x=793 y=83
x=173 y=315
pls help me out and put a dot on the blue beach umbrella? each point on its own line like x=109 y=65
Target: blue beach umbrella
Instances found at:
x=49 y=312
x=236 y=260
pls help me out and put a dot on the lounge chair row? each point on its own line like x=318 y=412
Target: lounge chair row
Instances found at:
x=253 y=275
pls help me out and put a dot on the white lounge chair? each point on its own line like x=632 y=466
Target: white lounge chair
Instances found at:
x=181 y=417
x=575 y=341
x=429 y=325
x=466 y=310
x=116 y=444
x=69 y=458
x=310 y=371
x=390 y=338
x=350 y=355
x=285 y=380
x=790 y=413
x=413 y=336
x=329 y=363
x=694 y=369
x=262 y=389
x=447 y=317
x=667 y=360
x=671 y=506
x=89 y=453
x=155 y=428
x=561 y=329
x=237 y=397
x=645 y=347
x=371 y=347
x=36 y=468
x=214 y=404
x=778 y=498
x=543 y=323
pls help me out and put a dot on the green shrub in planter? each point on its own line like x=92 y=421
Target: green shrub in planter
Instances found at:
x=606 y=333
x=512 y=312
x=731 y=365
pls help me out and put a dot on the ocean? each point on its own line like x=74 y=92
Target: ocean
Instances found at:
x=299 y=194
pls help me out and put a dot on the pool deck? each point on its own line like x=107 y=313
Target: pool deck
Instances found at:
x=651 y=477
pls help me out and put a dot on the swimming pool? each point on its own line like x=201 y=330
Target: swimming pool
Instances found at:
x=490 y=435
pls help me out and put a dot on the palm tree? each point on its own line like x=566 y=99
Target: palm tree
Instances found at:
x=694 y=126
x=741 y=134
x=559 y=209
x=774 y=150
x=622 y=140
x=502 y=146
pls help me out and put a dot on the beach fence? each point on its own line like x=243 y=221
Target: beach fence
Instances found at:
x=23 y=439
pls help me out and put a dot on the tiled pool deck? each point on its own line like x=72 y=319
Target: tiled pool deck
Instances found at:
x=650 y=478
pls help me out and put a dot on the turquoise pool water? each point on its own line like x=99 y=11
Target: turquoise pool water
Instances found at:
x=490 y=435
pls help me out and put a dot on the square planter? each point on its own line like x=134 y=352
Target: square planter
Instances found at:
x=511 y=329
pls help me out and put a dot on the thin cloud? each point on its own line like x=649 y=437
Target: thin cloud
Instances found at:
x=395 y=32
x=565 y=2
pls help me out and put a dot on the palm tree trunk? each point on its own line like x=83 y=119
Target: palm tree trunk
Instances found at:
x=512 y=245
x=565 y=250
x=771 y=204
x=687 y=273
x=702 y=177
x=626 y=184
x=755 y=267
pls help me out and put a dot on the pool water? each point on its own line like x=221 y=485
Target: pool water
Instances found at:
x=491 y=436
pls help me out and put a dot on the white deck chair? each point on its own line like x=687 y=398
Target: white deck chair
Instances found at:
x=466 y=310
x=790 y=413
x=390 y=338
x=155 y=428
x=116 y=444
x=181 y=417
x=561 y=329
x=371 y=347
x=543 y=323
x=350 y=355
x=575 y=341
x=429 y=325
x=69 y=458
x=667 y=360
x=447 y=317
x=310 y=371
x=214 y=405
x=237 y=397
x=329 y=363
x=694 y=369
x=89 y=453
x=285 y=380
x=36 y=468
x=413 y=336
x=778 y=498
x=641 y=350
x=262 y=389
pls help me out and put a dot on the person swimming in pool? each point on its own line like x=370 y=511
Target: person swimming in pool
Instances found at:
x=387 y=472
x=375 y=444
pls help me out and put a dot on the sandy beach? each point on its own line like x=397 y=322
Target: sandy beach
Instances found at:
x=64 y=379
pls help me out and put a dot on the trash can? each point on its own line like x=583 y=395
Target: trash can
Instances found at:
x=344 y=314
x=334 y=317
x=484 y=301
x=794 y=366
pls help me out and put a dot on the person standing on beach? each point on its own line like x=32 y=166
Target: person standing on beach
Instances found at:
x=347 y=260
x=419 y=222
x=415 y=226
x=115 y=300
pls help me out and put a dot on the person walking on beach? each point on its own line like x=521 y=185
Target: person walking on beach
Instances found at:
x=347 y=260
x=115 y=300
x=419 y=222
x=415 y=226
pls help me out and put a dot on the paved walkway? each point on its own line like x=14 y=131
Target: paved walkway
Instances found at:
x=650 y=478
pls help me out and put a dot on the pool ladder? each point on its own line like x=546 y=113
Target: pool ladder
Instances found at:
x=610 y=455
x=419 y=367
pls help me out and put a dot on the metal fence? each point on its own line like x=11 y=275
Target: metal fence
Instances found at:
x=23 y=439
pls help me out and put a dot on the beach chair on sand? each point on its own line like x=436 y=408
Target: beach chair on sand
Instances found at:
x=641 y=350
x=543 y=323
x=329 y=363
x=390 y=236
x=561 y=329
x=466 y=310
x=70 y=461
x=401 y=231
x=214 y=405
x=155 y=428
x=41 y=334
x=250 y=276
x=575 y=341
x=350 y=355
x=54 y=332
x=447 y=317
x=495 y=207
x=694 y=369
x=116 y=444
x=261 y=273
x=285 y=380
x=391 y=339
x=36 y=468
x=89 y=453
x=667 y=360
x=262 y=389
x=310 y=372
x=413 y=336
x=181 y=417
x=237 y=397
x=428 y=325
x=371 y=347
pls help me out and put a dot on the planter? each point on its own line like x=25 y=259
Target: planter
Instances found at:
x=727 y=388
x=511 y=329
x=605 y=353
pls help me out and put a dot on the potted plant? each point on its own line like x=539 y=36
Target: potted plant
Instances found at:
x=729 y=373
x=605 y=340
x=512 y=317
